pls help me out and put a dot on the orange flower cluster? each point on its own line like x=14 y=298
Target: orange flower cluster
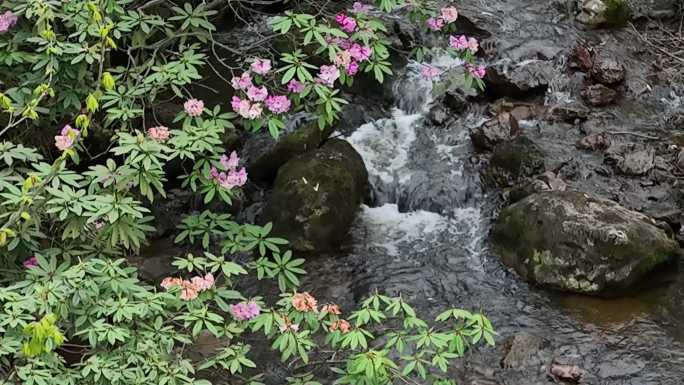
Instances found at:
x=342 y=325
x=304 y=302
x=189 y=289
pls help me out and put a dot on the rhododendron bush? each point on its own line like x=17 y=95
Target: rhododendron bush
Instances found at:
x=73 y=308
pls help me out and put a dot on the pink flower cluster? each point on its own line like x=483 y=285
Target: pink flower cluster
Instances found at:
x=463 y=43
x=430 y=72
x=349 y=58
x=244 y=311
x=7 y=21
x=159 y=133
x=261 y=66
x=31 y=262
x=478 y=72
x=278 y=104
x=345 y=22
x=328 y=74
x=446 y=16
x=231 y=177
x=194 y=107
x=359 y=7
x=66 y=138
x=251 y=107
x=295 y=86
x=189 y=289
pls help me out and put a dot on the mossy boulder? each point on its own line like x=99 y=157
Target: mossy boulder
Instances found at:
x=316 y=196
x=512 y=162
x=264 y=155
x=571 y=241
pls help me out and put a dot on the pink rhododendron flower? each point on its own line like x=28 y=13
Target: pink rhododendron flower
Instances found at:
x=478 y=72
x=329 y=74
x=359 y=7
x=295 y=86
x=278 y=104
x=194 y=107
x=31 y=262
x=240 y=106
x=7 y=21
x=430 y=72
x=170 y=282
x=160 y=133
x=352 y=68
x=243 y=82
x=449 y=14
x=261 y=66
x=257 y=94
x=458 y=42
x=360 y=53
x=345 y=22
x=230 y=163
x=203 y=283
x=244 y=311
x=66 y=138
x=435 y=23
x=473 y=45
x=304 y=302
x=98 y=224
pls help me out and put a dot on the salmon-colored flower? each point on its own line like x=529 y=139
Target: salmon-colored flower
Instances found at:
x=342 y=325
x=170 y=282
x=304 y=302
x=189 y=291
x=331 y=309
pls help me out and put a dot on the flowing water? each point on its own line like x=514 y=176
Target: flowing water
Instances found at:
x=424 y=236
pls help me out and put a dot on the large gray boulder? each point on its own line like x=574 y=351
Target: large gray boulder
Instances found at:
x=264 y=155
x=574 y=242
x=316 y=196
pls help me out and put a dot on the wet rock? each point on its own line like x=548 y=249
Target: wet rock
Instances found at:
x=512 y=162
x=547 y=181
x=574 y=242
x=620 y=367
x=264 y=155
x=594 y=142
x=632 y=159
x=604 y=12
x=571 y=373
x=519 y=80
x=438 y=114
x=456 y=100
x=598 y=95
x=521 y=350
x=593 y=12
x=169 y=212
x=680 y=160
x=582 y=58
x=502 y=128
x=316 y=196
x=569 y=112
x=608 y=70
x=655 y=9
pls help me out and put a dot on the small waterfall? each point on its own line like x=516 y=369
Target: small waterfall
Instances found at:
x=426 y=201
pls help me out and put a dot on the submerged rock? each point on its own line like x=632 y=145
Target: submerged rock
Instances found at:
x=598 y=95
x=502 y=128
x=316 y=196
x=594 y=142
x=573 y=242
x=522 y=350
x=512 y=162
